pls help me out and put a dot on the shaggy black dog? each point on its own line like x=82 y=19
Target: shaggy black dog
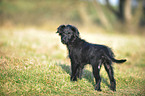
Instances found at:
x=82 y=53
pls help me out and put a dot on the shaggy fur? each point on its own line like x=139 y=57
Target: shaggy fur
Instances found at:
x=82 y=53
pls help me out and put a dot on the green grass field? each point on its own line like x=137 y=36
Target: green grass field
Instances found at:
x=34 y=62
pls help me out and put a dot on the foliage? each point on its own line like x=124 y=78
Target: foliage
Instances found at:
x=48 y=14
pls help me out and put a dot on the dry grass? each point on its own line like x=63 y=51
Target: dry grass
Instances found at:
x=34 y=62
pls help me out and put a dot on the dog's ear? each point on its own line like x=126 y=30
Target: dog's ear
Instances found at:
x=75 y=30
x=60 y=29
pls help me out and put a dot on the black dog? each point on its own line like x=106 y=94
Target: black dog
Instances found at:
x=82 y=53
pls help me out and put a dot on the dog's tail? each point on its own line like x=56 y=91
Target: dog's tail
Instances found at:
x=118 y=61
x=110 y=56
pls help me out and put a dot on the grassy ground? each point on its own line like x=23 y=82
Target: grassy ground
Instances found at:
x=34 y=62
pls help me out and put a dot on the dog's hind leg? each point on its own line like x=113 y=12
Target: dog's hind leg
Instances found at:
x=110 y=72
x=96 y=73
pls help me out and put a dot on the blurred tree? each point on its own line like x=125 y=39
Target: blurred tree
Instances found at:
x=1 y=14
x=125 y=13
x=125 y=9
x=83 y=13
x=101 y=15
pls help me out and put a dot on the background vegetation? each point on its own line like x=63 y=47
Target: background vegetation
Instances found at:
x=127 y=16
x=34 y=62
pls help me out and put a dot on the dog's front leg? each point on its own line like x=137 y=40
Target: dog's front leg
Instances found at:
x=74 y=68
x=79 y=72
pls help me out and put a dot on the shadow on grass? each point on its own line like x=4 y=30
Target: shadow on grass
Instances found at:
x=86 y=74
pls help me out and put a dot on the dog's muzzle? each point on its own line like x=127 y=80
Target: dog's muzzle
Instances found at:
x=64 y=40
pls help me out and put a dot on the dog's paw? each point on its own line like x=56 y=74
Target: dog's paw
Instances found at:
x=98 y=88
x=113 y=86
x=113 y=89
x=73 y=79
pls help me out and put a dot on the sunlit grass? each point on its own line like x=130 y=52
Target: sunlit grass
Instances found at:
x=34 y=62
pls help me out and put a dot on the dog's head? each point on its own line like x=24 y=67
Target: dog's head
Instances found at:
x=68 y=33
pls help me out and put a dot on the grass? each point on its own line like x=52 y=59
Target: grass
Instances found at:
x=34 y=62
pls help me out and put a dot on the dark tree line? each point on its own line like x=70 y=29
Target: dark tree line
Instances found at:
x=130 y=13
